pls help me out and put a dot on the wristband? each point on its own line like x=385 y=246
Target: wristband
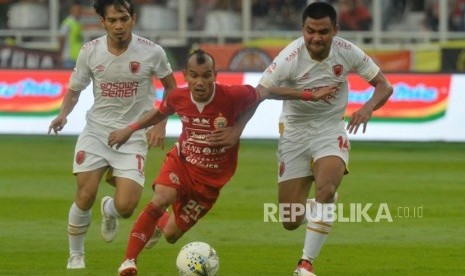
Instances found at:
x=134 y=126
x=307 y=95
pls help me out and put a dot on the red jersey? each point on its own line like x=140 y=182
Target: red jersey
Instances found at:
x=214 y=164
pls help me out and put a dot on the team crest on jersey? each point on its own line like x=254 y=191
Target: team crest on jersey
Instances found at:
x=220 y=122
x=134 y=67
x=337 y=70
x=80 y=157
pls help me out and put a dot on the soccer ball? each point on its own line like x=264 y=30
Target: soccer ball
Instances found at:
x=197 y=259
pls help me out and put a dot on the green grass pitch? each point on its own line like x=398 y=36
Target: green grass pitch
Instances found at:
x=424 y=181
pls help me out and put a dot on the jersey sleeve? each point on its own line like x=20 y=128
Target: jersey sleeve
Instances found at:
x=162 y=65
x=363 y=64
x=81 y=76
x=166 y=107
x=275 y=73
x=245 y=97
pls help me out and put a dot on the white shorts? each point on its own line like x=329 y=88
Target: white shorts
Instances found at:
x=91 y=153
x=295 y=158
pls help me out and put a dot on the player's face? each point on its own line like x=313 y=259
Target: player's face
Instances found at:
x=318 y=35
x=118 y=24
x=200 y=78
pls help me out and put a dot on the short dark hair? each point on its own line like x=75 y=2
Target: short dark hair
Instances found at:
x=318 y=10
x=120 y=5
x=201 y=56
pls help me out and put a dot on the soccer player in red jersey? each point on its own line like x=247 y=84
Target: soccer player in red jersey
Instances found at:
x=194 y=172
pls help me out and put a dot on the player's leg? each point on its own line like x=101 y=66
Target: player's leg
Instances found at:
x=127 y=175
x=328 y=172
x=292 y=194
x=126 y=198
x=295 y=180
x=144 y=227
x=158 y=232
x=79 y=216
x=331 y=157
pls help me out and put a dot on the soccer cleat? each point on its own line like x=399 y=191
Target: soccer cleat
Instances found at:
x=128 y=268
x=76 y=262
x=154 y=239
x=109 y=224
x=304 y=268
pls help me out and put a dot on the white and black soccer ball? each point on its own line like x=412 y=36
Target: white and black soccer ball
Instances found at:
x=197 y=259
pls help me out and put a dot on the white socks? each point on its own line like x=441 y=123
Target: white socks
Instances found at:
x=78 y=224
x=318 y=227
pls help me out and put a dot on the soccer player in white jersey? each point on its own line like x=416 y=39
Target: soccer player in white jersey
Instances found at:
x=122 y=67
x=313 y=144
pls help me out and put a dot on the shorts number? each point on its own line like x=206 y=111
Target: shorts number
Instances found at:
x=193 y=209
x=140 y=163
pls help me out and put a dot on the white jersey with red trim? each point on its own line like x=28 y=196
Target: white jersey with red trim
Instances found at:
x=294 y=68
x=122 y=85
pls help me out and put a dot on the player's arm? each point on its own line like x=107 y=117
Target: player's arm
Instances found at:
x=69 y=102
x=120 y=136
x=284 y=93
x=229 y=136
x=383 y=90
x=156 y=135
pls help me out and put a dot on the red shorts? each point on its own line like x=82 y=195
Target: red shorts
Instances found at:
x=195 y=197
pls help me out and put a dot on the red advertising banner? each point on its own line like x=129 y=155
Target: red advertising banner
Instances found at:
x=416 y=97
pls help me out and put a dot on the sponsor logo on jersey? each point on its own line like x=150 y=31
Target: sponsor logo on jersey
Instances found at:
x=134 y=67
x=294 y=53
x=119 y=89
x=271 y=68
x=337 y=70
x=91 y=43
x=201 y=122
x=344 y=45
x=100 y=68
x=145 y=41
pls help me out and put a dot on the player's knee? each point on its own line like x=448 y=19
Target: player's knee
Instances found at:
x=325 y=193
x=84 y=199
x=125 y=211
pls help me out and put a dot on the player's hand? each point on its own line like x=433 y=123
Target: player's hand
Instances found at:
x=57 y=125
x=223 y=137
x=119 y=137
x=325 y=93
x=359 y=117
x=156 y=135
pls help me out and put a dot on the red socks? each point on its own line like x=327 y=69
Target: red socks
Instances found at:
x=143 y=229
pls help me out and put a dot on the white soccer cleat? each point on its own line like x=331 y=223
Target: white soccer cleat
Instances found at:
x=304 y=268
x=76 y=262
x=128 y=268
x=109 y=224
x=154 y=239
x=302 y=272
